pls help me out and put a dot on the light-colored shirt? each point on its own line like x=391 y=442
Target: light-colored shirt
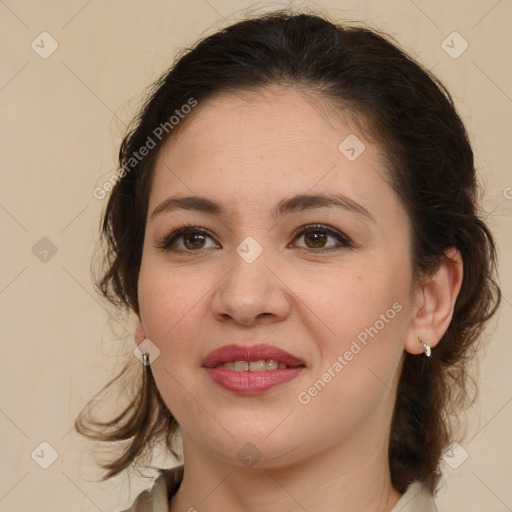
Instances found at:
x=417 y=498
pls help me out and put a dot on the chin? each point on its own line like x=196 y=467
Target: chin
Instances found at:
x=247 y=448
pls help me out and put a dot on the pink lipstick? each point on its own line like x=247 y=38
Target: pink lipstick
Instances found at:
x=250 y=370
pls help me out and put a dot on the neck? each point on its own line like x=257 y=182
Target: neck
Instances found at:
x=350 y=476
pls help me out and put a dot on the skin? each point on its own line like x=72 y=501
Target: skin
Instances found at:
x=247 y=152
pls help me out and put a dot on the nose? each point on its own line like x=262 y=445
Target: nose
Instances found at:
x=251 y=293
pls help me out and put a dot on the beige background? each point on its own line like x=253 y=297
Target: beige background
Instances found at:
x=61 y=122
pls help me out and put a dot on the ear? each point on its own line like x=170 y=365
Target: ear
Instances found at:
x=434 y=303
x=138 y=332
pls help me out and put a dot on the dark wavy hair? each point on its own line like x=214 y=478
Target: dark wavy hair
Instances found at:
x=429 y=160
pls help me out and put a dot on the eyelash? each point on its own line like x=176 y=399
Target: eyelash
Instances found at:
x=166 y=242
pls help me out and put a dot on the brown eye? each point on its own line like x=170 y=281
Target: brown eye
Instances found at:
x=317 y=237
x=187 y=239
x=194 y=241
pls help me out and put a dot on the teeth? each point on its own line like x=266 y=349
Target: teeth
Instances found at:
x=261 y=365
x=241 y=366
x=271 y=364
x=257 y=366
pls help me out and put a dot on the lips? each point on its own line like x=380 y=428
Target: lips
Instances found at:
x=244 y=380
x=233 y=353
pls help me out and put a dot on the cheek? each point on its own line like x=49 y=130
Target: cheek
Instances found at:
x=359 y=335
x=347 y=300
x=167 y=295
x=363 y=321
x=171 y=310
x=170 y=306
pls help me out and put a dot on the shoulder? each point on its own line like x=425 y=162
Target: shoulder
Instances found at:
x=417 y=498
x=156 y=498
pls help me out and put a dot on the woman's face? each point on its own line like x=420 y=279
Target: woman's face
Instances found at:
x=328 y=283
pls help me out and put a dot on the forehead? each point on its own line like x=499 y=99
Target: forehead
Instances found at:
x=275 y=123
x=283 y=114
x=249 y=146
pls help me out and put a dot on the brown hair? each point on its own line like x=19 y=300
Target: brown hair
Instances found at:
x=431 y=168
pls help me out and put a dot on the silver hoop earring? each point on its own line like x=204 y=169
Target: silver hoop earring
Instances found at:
x=145 y=358
x=426 y=348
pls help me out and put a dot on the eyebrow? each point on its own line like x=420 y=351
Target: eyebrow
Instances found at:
x=284 y=207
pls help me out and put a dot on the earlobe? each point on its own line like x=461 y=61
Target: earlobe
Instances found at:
x=427 y=349
x=435 y=302
x=138 y=332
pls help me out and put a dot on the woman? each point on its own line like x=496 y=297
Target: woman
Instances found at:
x=295 y=225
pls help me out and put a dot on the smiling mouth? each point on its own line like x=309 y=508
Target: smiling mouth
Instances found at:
x=251 y=369
x=244 y=381
x=262 y=365
x=254 y=358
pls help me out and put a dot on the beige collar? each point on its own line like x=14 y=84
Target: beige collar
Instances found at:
x=156 y=499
